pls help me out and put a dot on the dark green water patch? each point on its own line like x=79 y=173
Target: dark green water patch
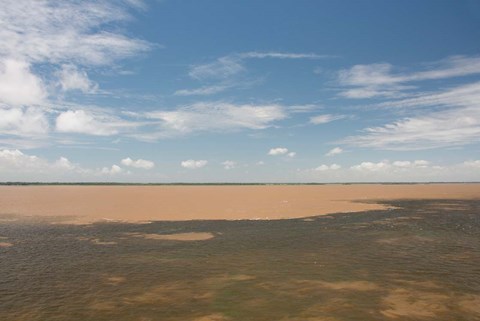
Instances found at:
x=419 y=261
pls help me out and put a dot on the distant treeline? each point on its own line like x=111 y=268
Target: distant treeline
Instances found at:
x=210 y=184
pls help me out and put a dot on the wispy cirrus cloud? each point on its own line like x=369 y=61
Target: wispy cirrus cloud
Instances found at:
x=212 y=117
x=381 y=80
x=325 y=118
x=202 y=91
x=233 y=64
x=281 y=55
x=66 y=31
x=457 y=123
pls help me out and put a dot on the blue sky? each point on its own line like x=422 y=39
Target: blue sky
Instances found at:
x=240 y=91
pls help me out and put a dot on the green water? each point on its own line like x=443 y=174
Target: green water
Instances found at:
x=418 y=262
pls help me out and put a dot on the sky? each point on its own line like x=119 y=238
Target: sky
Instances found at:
x=239 y=91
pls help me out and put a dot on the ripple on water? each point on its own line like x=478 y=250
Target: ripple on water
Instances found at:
x=417 y=261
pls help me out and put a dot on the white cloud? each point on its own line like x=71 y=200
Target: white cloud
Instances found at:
x=323 y=119
x=221 y=68
x=86 y=122
x=334 y=151
x=40 y=36
x=472 y=164
x=308 y=108
x=403 y=164
x=292 y=154
x=374 y=80
x=456 y=123
x=324 y=167
x=395 y=171
x=233 y=64
x=229 y=164
x=193 y=164
x=18 y=160
x=71 y=78
x=281 y=55
x=115 y=169
x=369 y=166
x=64 y=163
x=215 y=116
x=202 y=91
x=30 y=122
x=139 y=163
x=278 y=151
x=18 y=85
x=421 y=163
x=16 y=165
x=65 y=31
x=465 y=95
x=434 y=130
x=12 y=160
x=391 y=166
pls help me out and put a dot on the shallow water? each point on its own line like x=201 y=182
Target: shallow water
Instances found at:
x=420 y=261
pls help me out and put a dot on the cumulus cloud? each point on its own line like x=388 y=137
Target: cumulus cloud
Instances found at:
x=324 y=167
x=115 y=169
x=334 y=151
x=229 y=164
x=139 y=163
x=395 y=171
x=18 y=85
x=474 y=164
x=71 y=78
x=386 y=165
x=28 y=122
x=16 y=165
x=39 y=37
x=15 y=160
x=323 y=119
x=64 y=163
x=278 y=151
x=194 y=164
x=86 y=122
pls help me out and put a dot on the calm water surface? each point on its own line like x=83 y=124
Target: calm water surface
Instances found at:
x=420 y=261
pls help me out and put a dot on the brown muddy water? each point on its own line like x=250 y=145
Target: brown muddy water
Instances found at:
x=419 y=261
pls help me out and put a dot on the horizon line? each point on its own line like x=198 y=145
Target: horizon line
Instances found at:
x=232 y=183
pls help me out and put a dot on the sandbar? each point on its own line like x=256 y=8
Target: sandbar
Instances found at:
x=86 y=204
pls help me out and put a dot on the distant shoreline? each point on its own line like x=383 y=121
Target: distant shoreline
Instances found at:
x=217 y=183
